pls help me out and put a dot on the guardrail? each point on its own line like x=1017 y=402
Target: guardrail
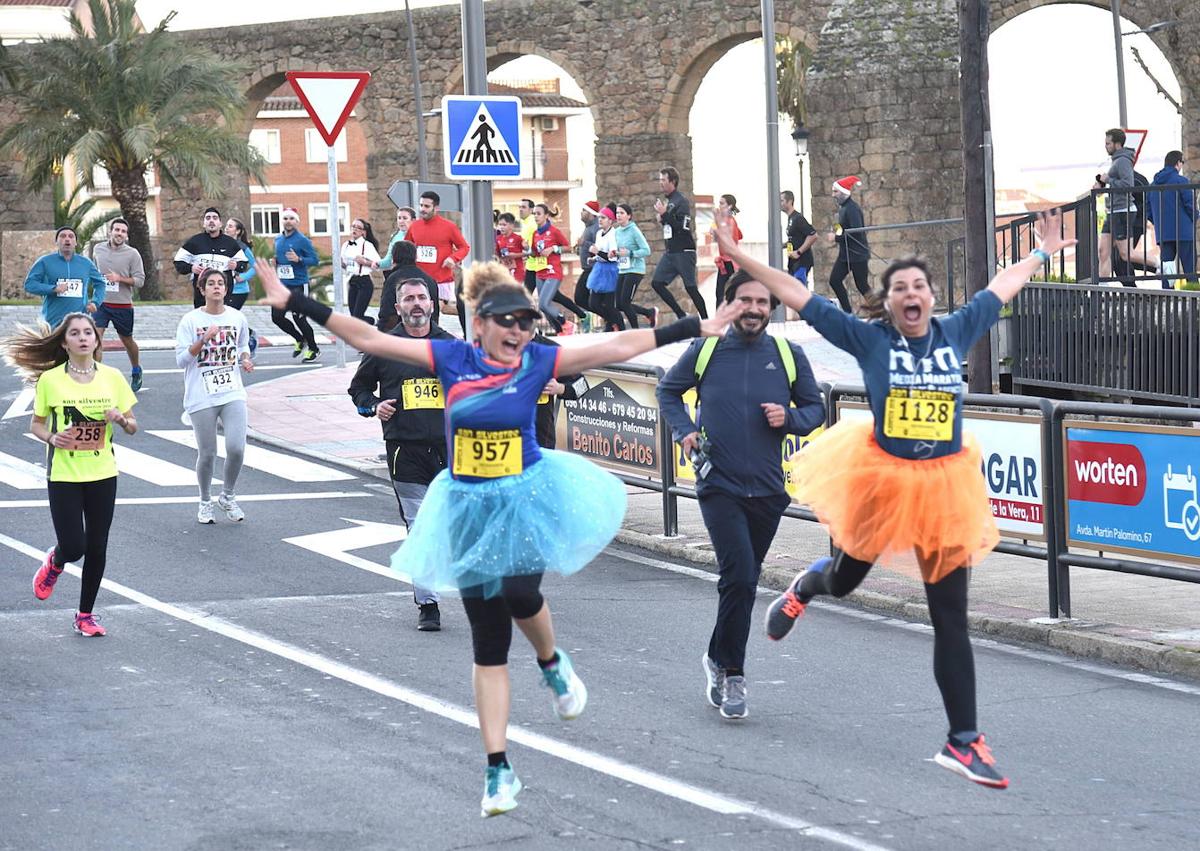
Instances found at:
x=1057 y=484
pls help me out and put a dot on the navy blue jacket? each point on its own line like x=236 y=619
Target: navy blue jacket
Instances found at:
x=1174 y=211
x=741 y=375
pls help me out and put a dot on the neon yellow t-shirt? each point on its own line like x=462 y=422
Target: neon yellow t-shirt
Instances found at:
x=535 y=262
x=67 y=403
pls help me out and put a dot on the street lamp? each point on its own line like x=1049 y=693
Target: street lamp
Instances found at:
x=800 y=137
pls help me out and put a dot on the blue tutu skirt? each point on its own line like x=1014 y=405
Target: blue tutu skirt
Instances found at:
x=556 y=516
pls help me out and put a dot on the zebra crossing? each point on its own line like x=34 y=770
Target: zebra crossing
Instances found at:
x=144 y=463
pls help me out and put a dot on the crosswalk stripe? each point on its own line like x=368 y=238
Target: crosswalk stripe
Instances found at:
x=22 y=405
x=148 y=468
x=20 y=474
x=276 y=463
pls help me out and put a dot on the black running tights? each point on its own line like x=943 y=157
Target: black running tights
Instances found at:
x=837 y=278
x=491 y=616
x=953 y=660
x=627 y=284
x=303 y=335
x=82 y=513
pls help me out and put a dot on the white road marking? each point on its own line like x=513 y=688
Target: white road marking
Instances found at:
x=22 y=406
x=20 y=474
x=335 y=543
x=131 y=462
x=911 y=626
x=663 y=785
x=191 y=500
x=265 y=460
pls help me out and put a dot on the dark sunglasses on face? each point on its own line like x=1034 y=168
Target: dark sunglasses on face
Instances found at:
x=524 y=320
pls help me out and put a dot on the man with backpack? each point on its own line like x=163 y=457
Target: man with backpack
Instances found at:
x=752 y=389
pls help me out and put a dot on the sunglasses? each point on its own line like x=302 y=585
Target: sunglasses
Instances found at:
x=523 y=321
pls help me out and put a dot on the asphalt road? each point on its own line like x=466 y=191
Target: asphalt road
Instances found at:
x=263 y=686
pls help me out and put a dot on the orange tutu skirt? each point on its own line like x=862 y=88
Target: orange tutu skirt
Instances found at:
x=880 y=508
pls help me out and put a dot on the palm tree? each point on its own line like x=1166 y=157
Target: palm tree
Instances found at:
x=69 y=214
x=127 y=101
x=791 y=65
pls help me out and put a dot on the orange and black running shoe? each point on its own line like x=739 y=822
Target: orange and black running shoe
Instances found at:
x=974 y=762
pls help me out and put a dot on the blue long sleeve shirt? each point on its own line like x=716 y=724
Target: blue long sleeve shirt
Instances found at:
x=742 y=375
x=84 y=284
x=294 y=274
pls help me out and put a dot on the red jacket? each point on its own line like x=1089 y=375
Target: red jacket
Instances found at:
x=436 y=240
x=724 y=263
x=514 y=258
x=548 y=239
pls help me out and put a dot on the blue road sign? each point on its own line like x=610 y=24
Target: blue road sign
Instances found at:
x=481 y=137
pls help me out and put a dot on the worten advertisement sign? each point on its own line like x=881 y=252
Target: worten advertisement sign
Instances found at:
x=1011 y=446
x=1132 y=489
x=615 y=423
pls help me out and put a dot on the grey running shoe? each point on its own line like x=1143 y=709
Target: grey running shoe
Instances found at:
x=205 y=513
x=232 y=510
x=733 y=703
x=714 y=681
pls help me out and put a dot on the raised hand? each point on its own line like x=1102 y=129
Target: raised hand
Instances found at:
x=276 y=294
x=1050 y=233
x=716 y=324
x=723 y=230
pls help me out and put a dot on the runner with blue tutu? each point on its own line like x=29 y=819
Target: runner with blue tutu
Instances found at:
x=505 y=511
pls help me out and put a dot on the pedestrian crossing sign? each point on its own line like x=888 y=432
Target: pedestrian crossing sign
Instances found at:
x=481 y=137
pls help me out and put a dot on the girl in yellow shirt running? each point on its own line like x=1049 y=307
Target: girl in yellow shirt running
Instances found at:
x=77 y=402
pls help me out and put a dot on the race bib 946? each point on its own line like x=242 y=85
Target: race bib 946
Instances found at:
x=487 y=454
x=422 y=393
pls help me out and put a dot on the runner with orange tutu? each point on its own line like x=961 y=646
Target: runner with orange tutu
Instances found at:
x=909 y=483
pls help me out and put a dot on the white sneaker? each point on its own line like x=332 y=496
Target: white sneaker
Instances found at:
x=570 y=694
x=232 y=510
x=500 y=788
x=205 y=513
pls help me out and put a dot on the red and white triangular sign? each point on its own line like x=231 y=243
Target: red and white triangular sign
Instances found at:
x=329 y=97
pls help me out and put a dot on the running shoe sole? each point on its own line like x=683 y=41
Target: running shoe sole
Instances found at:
x=709 y=682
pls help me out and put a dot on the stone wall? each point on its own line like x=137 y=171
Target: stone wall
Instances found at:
x=18 y=251
x=882 y=99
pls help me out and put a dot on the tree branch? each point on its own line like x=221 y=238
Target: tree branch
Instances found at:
x=1141 y=64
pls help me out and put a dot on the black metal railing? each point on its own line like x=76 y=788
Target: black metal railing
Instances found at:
x=1141 y=344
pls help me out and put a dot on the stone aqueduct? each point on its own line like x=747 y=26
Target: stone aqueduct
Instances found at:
x=882 y=88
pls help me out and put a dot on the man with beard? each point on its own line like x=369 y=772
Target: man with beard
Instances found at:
x=122 y=268
x=211 y=249
x=752 y=389
x=411 y=408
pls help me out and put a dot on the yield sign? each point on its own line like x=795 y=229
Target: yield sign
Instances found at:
x=329 y=97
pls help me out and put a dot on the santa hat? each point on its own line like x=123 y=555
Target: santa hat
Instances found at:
x=592 y=207
x=291 y=211
x=847 y=185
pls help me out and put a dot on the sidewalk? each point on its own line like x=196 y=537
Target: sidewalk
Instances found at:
x=1128 y=620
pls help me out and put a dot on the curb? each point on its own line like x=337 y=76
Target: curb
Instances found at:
x=1073 y=638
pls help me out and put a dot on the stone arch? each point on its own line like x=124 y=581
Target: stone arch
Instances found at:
x=504 y=52
x=687 y=76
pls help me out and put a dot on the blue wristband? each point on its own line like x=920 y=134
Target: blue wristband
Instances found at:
x=1040 y=255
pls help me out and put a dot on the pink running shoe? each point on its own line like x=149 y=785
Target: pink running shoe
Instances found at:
x=47 y=575
x=85 y=625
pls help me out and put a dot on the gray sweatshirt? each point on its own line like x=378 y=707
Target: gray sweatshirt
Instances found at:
x=124 y=261
x=1120 y=176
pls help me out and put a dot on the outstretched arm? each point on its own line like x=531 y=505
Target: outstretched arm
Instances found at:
x=782 y=285
x=364 y=337
x=1009 y=281
x=628 y=344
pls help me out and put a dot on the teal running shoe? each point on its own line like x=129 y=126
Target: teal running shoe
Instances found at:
x=500 y=788
x=570 y=694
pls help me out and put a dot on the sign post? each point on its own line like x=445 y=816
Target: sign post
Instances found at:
x=329 y=98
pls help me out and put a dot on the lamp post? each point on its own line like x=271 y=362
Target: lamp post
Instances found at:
x=800 y=137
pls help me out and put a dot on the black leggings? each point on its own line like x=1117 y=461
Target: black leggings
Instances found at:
x=604 y=305
x=953 y=660
x=722 y=279
x=82 y=513
x=837 y=276
x=627 y=285
x=491 y=617
x=303 y=335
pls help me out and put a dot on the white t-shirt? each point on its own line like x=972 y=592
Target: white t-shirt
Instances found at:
x=357 y=248
x=215 y=376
